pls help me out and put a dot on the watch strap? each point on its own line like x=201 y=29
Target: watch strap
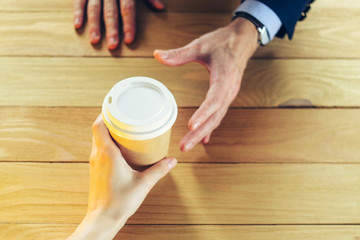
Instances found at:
x=259 y=26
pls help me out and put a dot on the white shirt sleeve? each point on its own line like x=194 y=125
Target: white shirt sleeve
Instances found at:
x=263 y=13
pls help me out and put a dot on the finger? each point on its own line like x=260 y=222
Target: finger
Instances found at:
x=194 y=137
x=157 y=4
x=128 y=16
x=79 y=11
x=158 y=171
x=214 y=101
x=111 y=18
x=94 y=8
x=101 y=134
x=93 y=145
x=178 y=57
x=206 y=139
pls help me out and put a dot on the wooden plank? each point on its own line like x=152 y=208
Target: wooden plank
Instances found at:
x=52 y=34
x=227 y=6
x=171 y=5
x=267 y=83
x=196 y=232
x=246 y=135
x=86 y=81
x=193 y=194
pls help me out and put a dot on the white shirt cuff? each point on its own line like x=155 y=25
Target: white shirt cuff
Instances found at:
x=262 y=13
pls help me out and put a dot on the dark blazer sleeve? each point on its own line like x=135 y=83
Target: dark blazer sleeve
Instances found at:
x=289 y=12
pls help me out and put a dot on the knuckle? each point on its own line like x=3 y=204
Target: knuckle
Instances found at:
x=129 y=27
x=109 y=13
x=176 y=54
x=94 y=27
x=217 y=122
x=128 y=6
x=78 y=12
x=103 y=154
x=112 y=33
x=93 y=7
x=100 y=153
x=196 y=44
x=95 y=127
x=92 y=161
x=195 y=41
x=164 y=167
x=200 y=47
x=216 y=103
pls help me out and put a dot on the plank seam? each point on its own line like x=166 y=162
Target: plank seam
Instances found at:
x=209 y=163
x=195 y=107
x=151 y=57
x=220 y=224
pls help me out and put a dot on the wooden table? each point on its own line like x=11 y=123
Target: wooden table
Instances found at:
x=284 y=164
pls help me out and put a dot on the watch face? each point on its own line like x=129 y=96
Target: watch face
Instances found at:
x=264 y=36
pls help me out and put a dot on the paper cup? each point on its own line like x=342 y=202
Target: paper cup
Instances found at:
x=139 y=113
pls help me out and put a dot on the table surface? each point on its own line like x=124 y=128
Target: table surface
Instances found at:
x=284 y=164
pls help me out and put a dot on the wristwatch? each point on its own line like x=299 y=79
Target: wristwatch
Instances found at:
x=263 y=34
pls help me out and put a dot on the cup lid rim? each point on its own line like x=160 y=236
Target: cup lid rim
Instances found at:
x=140 y=130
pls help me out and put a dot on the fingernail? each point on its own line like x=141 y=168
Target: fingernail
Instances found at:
x=158 y=5
x=195 y=125
x=77 y=22
x=128 y=38
x=113 y=40
x=172 y=162
x=164 y=54
x=112 y=43
x=94 y=36
x=188 y=146
x=205 y=140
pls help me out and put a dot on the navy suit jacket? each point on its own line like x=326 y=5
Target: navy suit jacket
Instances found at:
x=289 y=12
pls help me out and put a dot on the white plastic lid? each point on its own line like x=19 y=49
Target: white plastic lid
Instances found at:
x=139 y=108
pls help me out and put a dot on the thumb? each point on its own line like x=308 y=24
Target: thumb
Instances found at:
x=159 y=170
x=177 y=57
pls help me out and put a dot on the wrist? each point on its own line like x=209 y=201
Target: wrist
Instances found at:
x=98 y=226
x=245 y=34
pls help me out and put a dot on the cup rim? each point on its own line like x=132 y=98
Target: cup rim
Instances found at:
x=139 y=131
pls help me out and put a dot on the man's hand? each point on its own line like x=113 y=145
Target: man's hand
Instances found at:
x=111 y=18
x=225 y=53
x=116 y=190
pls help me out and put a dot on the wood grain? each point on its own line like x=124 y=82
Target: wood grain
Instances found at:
x=171 y=5
x=52 y=34
x=267 y=83
x=264 y=169
x=192 y=194
x=86 y=81
x=246 y=135
x=191 y=232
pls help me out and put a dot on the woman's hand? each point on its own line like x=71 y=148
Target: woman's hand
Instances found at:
x=225 y=53
x=111 y=18
x=116 y=190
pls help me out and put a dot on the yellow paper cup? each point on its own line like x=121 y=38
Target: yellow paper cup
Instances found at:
x=139 y=113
